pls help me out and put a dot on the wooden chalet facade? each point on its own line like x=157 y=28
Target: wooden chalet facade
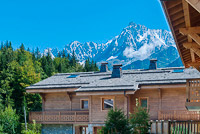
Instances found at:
x=78 y=102
x=184 y=20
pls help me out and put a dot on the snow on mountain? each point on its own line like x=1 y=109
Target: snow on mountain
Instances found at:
x=51 y=51
x=133 y=48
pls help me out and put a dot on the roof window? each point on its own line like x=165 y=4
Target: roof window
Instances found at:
x=73 y=76
x=178 y=70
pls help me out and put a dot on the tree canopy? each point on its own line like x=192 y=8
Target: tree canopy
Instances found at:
x=20 y=68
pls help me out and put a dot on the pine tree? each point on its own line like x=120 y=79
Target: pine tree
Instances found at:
x=116 y=123
x=92 y=66
x=33 y=56
x=73 y=60
x=63 y=54
x=68 y=57
x=87 y=65
x=37 y=54
x=59 y=54
x=22 y=48
x=50 y=69
x=96 y=67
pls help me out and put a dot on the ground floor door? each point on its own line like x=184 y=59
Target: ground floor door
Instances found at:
x=81 y=130
x=96 y=130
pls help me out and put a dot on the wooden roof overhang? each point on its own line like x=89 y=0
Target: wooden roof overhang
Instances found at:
x=50 y=90
x=184 y=20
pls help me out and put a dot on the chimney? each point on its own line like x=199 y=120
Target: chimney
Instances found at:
x=117 y=71
x=104 y=67
x=153 y=64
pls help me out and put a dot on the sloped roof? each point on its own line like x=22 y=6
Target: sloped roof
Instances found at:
x=130 y=80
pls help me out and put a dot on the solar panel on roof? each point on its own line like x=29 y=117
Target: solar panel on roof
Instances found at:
x=72 y=76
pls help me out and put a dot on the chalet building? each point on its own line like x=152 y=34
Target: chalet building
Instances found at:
x=78 y=103
x=184 y=20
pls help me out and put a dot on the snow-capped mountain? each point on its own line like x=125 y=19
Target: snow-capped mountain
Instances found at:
x=133 y=48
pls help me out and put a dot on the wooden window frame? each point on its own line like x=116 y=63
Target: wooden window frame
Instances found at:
x=81 y=104
x=102 y=103
x=140 y=98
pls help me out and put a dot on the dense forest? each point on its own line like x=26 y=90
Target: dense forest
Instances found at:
x=20 y=68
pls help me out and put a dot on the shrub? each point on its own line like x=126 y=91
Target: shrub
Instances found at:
x=116 y=123
x=139 y=120
x=9 y=120
x=31 y=128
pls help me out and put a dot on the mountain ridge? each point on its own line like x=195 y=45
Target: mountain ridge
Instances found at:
x=132 y=47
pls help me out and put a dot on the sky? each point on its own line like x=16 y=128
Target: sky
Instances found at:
x=55 y=23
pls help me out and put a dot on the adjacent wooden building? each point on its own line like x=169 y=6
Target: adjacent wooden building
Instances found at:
x=78 y=102
x=184 y=20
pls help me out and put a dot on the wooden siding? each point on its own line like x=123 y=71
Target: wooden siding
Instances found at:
x=59 y=101
x=97 y=114
x=160 y=100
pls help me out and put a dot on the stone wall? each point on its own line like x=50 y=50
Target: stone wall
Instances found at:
x=57 y=129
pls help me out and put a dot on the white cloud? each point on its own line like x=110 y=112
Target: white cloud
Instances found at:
x=143 y=52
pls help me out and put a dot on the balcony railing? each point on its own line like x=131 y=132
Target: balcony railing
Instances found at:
x=179 y=115
x=59 y=116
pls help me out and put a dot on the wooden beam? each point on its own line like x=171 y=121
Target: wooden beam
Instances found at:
x=189 y=30
x=188 y=24
x=100 y=93
x=195 y=37
x=69 y=96
x=171 y=86
x=173 y=4
x=189 y=45
x=195 y=65
x=186 y=13
x=195 y=4
x=178 y=22
x=192 y=56
x=43 y=101
x=194 y=47
x=50 y=90
x=192 y=32
x=176 y=10
x=160 y=98
x=90 y=108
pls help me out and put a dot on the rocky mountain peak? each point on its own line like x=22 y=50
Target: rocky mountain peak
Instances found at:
x=133 y=48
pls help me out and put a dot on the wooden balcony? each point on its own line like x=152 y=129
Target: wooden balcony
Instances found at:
x=193 y=95
x=59 y=117
x=179 y=115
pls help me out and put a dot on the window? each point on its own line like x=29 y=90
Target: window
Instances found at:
x=84 y=104
x=144 y=102
x=178 y=70
x=72 y=76
x=107 y=103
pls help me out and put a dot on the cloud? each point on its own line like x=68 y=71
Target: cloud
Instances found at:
x=143 y=52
